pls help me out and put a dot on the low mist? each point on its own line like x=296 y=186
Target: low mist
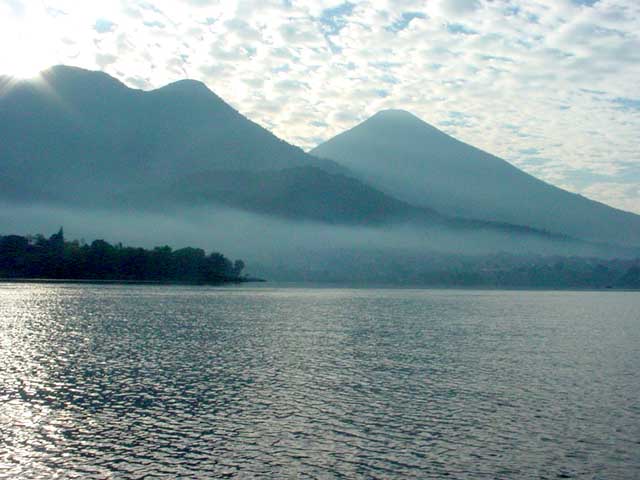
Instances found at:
x=284 y=250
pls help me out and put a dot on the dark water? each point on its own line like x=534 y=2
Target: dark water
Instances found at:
x=179 y=382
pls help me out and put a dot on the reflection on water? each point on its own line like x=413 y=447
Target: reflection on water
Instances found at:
x=180 y=382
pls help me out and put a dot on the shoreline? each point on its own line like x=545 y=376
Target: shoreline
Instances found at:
x=87 y=281
x=280 y=284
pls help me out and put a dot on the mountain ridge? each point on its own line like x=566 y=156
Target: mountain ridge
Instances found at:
x=406 y=157
x=94 y=124
x=81 y=138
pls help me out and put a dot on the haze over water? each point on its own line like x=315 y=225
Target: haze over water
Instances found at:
x=196 y=382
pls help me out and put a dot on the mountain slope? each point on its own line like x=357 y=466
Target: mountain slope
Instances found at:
x=310 y=194
x=408 y=158
x=76 y=134
x=82 y=139
x=299 y=193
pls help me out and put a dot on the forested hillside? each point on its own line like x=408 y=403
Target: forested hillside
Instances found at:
x=54 y=258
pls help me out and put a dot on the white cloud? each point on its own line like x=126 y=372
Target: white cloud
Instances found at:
x=456 y=8
x=620 y=195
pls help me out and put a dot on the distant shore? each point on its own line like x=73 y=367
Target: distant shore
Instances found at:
x=128 y=282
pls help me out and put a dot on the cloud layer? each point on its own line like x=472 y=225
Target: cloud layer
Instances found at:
x=550 y=85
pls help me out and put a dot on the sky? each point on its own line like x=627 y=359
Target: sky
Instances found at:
x=552 y=86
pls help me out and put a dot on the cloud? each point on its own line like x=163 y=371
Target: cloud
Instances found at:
x=242 y=29
x=459 y=7
x=16 y=7
x=291 y=85
x=627 y=103
x=105 y=59
x=200 y=3
x=334 y=19
x=620 y=195
x=405 y=19
x=104 y=26
x=301 y=33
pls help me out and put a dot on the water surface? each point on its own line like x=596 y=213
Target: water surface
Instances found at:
x=105 y=381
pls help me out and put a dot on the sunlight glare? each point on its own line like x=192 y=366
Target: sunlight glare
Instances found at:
x=24 y=70
x=26 y=48
x=26 y=63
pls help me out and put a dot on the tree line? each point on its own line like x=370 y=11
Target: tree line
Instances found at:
x=55 y=258
x=438 y=269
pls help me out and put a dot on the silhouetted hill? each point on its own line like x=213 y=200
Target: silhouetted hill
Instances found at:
x=82 y=139
x=413 y=161
x=74 y=134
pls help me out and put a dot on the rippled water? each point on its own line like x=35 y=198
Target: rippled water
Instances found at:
x=181 y=382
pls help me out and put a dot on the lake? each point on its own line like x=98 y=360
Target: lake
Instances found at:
x=108 y=381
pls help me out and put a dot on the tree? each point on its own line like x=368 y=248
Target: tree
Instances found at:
x=238 y=266
x=56 y=258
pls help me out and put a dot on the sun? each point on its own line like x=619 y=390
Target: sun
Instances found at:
x=24 y=66
x=24 y=71
x=26 y=57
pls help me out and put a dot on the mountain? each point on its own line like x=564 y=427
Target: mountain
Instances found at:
x=415 y=162
x=82 y=140
x=81 y=137
x=75 y=134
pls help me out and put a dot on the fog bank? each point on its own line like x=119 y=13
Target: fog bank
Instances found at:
x=283 y=249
